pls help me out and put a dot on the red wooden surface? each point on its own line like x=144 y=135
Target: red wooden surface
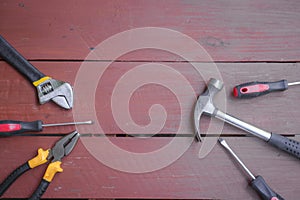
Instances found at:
x=258 y=111
x=241 y=35
x=229 y=31
x=215 y=177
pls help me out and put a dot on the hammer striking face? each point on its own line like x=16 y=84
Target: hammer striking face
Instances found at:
x=205 y=103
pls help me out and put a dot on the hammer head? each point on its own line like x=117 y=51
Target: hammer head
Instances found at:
x=205 y=103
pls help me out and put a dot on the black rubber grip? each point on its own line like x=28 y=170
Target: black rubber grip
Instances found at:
x=286 y=144
x=255 y=89
x=12 y=177
x=9 y=127
x=40 y=190
x=15 y=59
x=264 y=191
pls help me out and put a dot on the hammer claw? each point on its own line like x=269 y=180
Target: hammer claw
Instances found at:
x=197 y=115
x=204 y=104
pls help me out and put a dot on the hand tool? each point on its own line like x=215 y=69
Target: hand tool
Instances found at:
x=205 y=105
x=47 y=88
x=257 y=183
x=10 y=127
x=255 y=89
x=61 y=149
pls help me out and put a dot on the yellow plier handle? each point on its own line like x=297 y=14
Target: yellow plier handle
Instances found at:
x=52 y=169
x=40 y=159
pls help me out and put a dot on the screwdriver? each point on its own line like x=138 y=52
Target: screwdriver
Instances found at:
x=257 y=183
x=11 y=127
x=255 y=89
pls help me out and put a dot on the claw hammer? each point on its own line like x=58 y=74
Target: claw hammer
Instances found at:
x=47 y=88
x=205 y=105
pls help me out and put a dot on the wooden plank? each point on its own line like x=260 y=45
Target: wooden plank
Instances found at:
x=231 y=31
x=62 y=34
x=213 y=177
x=274 y=112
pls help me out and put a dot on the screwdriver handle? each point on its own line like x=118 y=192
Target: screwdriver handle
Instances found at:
x=255 y=89
x=264 y=191
x=11 y=127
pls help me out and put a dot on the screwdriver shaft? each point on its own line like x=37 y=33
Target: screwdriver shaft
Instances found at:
x=224 y=144
x=67 y=123
x=294 y=83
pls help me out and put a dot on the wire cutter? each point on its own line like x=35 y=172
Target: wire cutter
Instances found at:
x=61 y=149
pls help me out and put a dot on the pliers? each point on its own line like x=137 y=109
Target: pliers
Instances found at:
x=61 y=149
x=47 y=88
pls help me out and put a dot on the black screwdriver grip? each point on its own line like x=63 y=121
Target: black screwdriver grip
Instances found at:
x=264 y=191
x=40 y=190
x=15 y=59
x=290 y=146
x=12 y=177
x=255 y=89
x=8 y=127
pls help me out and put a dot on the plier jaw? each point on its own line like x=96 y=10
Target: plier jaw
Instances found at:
x=64 y=146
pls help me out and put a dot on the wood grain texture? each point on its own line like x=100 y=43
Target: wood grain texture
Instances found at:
x=275 y=112
x=215 y=176
x=250 y=40
x=229 y=31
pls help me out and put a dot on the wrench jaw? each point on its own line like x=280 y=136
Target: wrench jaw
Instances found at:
x=58 y=91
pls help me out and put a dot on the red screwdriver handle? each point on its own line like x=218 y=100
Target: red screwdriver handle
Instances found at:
x=255 y=89
x=11 y=127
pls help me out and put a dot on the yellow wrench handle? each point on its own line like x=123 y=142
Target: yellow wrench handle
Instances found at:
x=41 y=80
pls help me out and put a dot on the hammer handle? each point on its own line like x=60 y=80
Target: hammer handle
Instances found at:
x=290 y=146
x=243 y=125
x=285 y=144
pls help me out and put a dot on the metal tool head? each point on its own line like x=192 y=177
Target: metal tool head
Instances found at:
x=64 y=146
x=205 y=104
x=223 y=143
x=58 y=91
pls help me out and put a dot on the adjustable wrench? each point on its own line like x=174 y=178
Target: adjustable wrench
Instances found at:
x=47 y=88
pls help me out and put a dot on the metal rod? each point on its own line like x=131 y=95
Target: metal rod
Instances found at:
x=226 y=146
x=68 y=123
x=243 y=125
x=294 y=83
